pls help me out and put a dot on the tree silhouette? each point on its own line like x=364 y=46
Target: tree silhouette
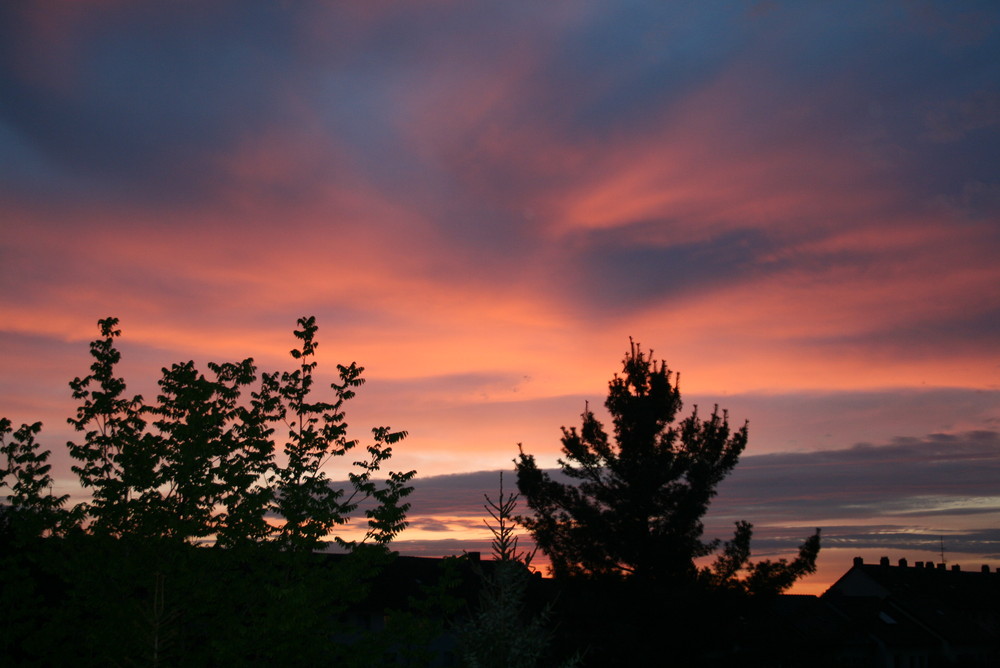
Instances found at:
x=634 y=507
x=227 y=454
x=207 y=466
x=33 y=509
x=317 y=432
x=117 y=457
x=504 y=630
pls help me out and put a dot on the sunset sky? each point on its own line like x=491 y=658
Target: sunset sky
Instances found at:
x=795 y=204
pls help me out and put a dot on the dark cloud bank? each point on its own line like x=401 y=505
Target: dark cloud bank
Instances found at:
x=905 y=495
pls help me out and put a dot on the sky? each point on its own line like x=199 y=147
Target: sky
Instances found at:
x=795 y=204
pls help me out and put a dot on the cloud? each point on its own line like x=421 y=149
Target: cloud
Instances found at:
x=908 y=497
x=141 y=97
x=441 y=548
x=794 y=204
x=429 y=525
x=691 y=184
x=905 y=494
x=969 y=545
x=457 y=494
x=954 y=119
x=918 y=476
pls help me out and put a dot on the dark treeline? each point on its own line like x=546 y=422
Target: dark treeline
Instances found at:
x=89 y=600
x=233 y=459
x=201 y=542
x=202 y=461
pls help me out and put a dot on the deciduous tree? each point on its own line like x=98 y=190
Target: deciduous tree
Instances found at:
x=207 y=464
x=118 y=459
x=227 y=454
x=309 y=505
x=33 y=509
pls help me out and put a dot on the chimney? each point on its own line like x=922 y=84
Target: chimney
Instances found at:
x=985 y=568
x=859 y=561
x=902 y=563
x=919 y=564
x=473 y=556
x=884 y=561
x=955 y=568
x=940 y=567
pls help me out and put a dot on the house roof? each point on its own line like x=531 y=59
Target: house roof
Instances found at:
x=960 y=607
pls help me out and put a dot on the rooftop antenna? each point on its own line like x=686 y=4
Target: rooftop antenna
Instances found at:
x=941 y=538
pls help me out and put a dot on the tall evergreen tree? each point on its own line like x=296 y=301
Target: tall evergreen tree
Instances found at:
x=504 y=630
x=634 y=506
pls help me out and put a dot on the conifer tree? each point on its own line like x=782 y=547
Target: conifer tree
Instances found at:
x=634 y=506
x=503 y=630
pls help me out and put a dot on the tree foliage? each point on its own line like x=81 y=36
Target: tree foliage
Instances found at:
x=33 y=509
x=504 y=630
x=504 y=527
x=231 y=456
x=202 y=462
x=117 y=457
x=633 y=506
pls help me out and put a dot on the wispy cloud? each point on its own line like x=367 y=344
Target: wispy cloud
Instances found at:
x=902 y=495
